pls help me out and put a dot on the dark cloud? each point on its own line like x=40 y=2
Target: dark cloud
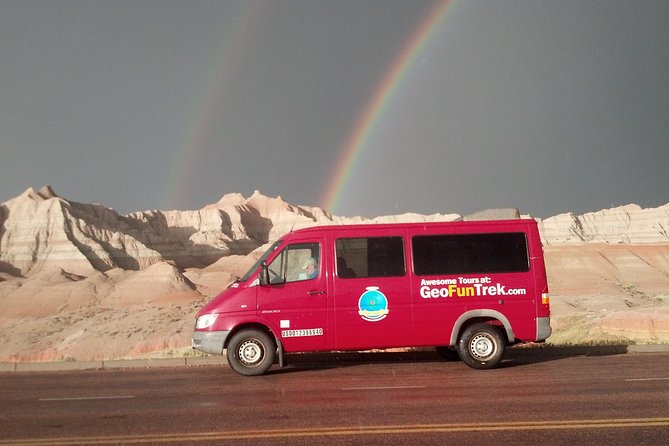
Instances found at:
x=542 y=105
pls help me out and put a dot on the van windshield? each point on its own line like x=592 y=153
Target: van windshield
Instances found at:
x=262 y=258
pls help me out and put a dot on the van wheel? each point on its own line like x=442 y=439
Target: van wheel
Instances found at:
x=448 y=353
x=251 y=352
x=481 y=346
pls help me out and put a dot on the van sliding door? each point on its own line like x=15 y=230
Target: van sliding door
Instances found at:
x=372 y=300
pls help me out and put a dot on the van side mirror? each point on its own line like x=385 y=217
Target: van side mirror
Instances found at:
x=263 y=277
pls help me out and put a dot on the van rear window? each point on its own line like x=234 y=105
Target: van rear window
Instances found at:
x=470 y=253
x=370 y=257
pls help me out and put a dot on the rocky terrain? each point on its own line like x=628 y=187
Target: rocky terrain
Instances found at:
x=608 y=274
x=80 y=281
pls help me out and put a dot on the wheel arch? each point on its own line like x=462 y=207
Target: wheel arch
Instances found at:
x=251 y=325
x=492 y=317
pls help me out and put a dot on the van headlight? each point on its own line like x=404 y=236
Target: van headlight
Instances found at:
x=206 y=320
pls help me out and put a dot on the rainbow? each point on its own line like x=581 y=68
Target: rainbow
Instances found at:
x=375 y=108
x=210 y=104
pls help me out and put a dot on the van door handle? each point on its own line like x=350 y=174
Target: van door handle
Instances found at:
x=315 y=292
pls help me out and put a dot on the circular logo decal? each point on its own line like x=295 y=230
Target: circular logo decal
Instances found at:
x=373 y=305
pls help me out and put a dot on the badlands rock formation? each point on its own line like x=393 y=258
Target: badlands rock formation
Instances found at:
x=622 y=225
x=80 y=281
x=609 y=274
x=42 y=230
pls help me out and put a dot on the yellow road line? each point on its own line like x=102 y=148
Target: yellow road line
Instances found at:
x=345 y=431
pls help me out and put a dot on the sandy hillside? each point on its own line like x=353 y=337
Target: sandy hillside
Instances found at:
x=81 y=282
x=609 y=293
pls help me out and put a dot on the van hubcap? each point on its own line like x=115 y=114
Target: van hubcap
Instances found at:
x=481 y=346
x=251 y=352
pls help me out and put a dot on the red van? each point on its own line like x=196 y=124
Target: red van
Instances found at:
x=471 y=286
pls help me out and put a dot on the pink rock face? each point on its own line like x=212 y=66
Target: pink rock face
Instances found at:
x=651 y=324
x=79 y=281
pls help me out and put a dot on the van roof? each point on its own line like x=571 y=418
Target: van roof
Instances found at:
x=426 y=225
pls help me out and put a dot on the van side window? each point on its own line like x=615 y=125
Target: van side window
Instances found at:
x=470 y=253
x=370 y=257
x=295 y=263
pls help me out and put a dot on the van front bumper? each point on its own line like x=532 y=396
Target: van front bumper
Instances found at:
x=211 y=342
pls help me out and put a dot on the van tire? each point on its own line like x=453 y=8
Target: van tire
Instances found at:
x=481 y=346
x=251 y=352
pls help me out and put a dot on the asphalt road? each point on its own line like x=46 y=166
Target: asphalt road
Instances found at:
x=617 y=399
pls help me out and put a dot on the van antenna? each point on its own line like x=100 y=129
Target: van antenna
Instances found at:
x=293 y=225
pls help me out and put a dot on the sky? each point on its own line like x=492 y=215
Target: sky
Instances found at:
x=363 y=107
